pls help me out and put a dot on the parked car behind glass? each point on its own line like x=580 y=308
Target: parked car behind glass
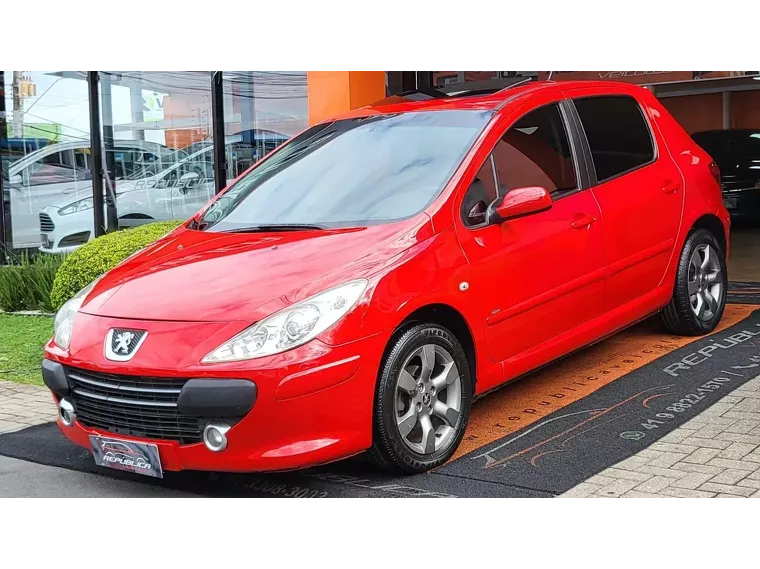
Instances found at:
x=61 y=171
x=737 y=153
x=173 y=188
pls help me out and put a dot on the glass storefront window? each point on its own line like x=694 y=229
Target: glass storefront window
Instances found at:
x=157 y=138
x=262 y=110
x=157 y=145
x=45 y=150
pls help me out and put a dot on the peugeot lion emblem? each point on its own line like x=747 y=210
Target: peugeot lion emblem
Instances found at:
x=121 y=344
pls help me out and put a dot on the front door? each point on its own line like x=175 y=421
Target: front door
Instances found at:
x=640 y=194
x=538 y=276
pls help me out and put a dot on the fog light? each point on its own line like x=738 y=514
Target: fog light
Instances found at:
x=66 y=412
x=215 y=437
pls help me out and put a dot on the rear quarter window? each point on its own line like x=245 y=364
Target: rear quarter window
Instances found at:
x=618 y=134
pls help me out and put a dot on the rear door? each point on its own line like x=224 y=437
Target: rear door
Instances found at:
x=639 y=191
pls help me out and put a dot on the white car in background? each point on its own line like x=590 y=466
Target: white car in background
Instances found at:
x=62 y=172
x=155 y=194
x=175 y=192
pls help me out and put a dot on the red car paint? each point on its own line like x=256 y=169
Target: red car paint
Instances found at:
x=593 y=263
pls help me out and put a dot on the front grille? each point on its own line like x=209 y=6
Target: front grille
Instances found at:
x=132 y=405
x=46 y=223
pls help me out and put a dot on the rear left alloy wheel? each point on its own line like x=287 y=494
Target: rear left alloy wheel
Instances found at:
x=422 y=401
x=699 y=295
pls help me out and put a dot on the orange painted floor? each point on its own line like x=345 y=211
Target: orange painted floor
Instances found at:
x=539 y=394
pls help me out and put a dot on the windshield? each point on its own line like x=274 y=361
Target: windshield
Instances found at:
x=351 y=172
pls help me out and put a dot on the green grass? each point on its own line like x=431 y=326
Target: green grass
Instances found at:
x=21 y=342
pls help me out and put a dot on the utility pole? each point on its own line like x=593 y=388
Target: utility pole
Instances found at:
x=136 y=104
x=18 y=111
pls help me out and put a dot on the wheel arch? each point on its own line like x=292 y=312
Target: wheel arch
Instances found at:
x=452 y=319
x=713 y=224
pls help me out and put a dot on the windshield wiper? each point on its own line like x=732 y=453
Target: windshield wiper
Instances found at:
x=276 y=227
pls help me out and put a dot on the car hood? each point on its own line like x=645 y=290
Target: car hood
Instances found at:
x=197 y=276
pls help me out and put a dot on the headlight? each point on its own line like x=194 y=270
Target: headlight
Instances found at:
x=292 y=326
x=81 y=205
x=64 y=319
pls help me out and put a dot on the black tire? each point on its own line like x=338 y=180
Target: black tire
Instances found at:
x=389 y=450
x=678 y=316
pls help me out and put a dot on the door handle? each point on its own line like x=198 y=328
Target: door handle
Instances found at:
x=582 y=221
x=670 y=187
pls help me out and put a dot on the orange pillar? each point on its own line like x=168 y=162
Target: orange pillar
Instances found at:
x=335 y=92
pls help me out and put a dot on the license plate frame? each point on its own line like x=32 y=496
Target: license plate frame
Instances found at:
x=127 y=456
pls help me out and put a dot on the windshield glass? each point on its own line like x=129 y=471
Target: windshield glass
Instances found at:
x=351 y=172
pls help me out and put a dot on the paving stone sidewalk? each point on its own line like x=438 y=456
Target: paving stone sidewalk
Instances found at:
x=23 y=406
x=715 y=455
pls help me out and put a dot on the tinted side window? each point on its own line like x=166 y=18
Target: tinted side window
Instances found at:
x=535 y=151
x=42 y=174
x=481 y=193
x=617 y=134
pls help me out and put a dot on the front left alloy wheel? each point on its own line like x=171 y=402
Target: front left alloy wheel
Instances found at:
x=422 y=401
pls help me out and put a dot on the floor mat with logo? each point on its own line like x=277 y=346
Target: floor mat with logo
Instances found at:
x=536 y=437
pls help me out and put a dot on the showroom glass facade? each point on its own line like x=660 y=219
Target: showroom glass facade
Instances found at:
x=156 y=140
x=168 y=140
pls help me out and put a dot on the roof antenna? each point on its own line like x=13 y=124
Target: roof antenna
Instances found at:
x=549 y=77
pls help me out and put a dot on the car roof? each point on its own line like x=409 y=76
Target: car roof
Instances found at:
x=119 y=143
x=434 y=100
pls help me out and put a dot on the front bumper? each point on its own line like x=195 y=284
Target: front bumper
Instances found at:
x=63 y=234
x=313 y=404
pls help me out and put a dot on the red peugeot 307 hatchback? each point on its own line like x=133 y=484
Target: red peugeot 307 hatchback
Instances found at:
x=359 y=286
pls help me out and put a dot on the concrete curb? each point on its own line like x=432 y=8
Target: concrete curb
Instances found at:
x=28 y=313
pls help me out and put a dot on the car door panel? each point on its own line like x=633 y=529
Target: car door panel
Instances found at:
x=641 y=208
x=541 y=275
x=546 y=275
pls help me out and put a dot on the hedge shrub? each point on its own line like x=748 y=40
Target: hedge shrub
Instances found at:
x=26 y=285
x=90 y=261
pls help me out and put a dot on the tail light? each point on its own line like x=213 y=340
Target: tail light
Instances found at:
x=715 y=171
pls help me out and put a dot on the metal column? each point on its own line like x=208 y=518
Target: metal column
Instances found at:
x=97 y=153
x=217 y=131
x=726 y=109
x=4 y=207
x=110 y=158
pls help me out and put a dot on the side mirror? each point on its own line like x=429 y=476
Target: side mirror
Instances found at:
x=520 y=202
x=16 y=180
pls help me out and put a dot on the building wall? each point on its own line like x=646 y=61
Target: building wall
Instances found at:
x=745 y=109
x=705 y=112
x=696 y=112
